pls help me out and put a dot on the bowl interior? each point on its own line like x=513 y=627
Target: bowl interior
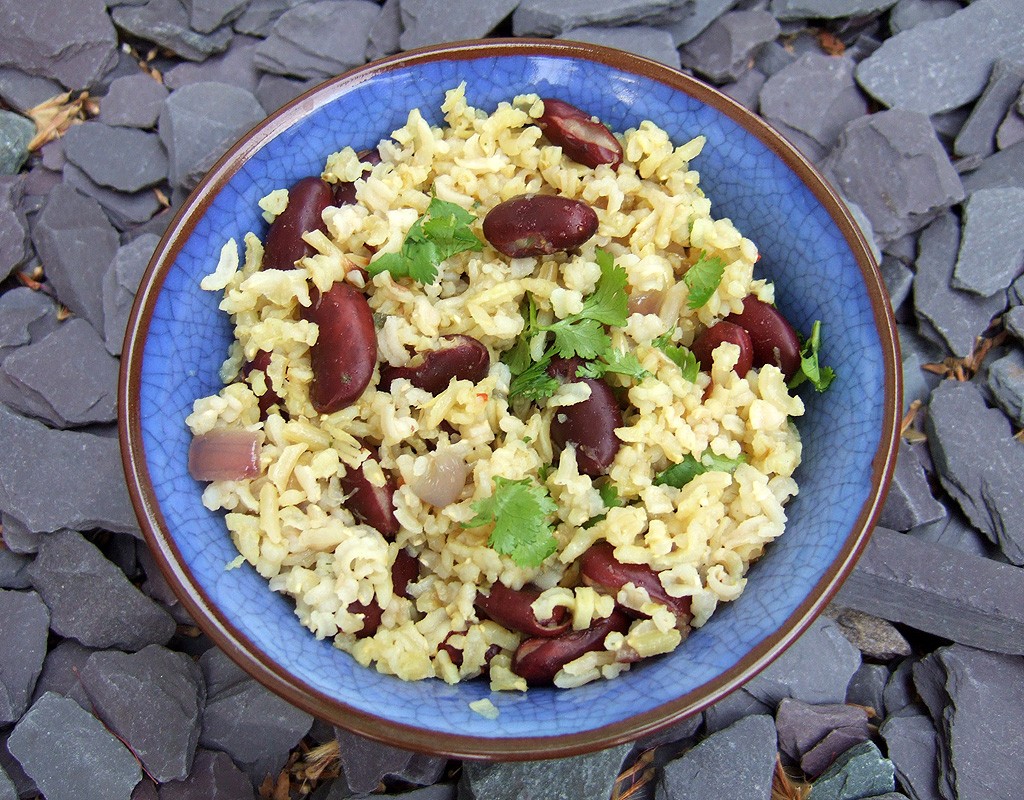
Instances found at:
x=179 y=340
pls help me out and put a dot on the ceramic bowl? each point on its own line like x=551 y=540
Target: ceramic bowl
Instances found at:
x=810 y=248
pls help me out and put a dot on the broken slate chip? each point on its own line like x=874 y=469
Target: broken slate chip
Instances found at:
x=722 y=52
x=827 y=9
x=591 y=775
x=91 y=600
x=64 y=748
x=875 y=637
x=14 y=569
x=1013 y=321
x=978 y=135
x=858 y=773
x=22 y=91
x=910 y=501
x=912 y=746
x=24 y=626
x=166 y=23
x=274 y=91
x=61 y=673
x=544 y=18
x=13 y=226
x=120 y=158
x=213 y=777
x=234 y=67
x=205 y=16
x=652 y=43
x=695 y=19
x=124 y=210
x=1006 y=382
x=433 y=21
x=992 y=249
x=365 y=763
x=119 y=287
x=747 y=89
x=801 y=726
x=907 y=14
x=386 y=32
x=133 y=101
x=867 y=688
x=259 y=16
x=15 y=134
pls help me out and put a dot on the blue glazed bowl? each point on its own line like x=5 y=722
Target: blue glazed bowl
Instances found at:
x=810 y=248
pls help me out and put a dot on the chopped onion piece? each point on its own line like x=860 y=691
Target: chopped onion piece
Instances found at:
x=444 y=479
x=645 y=302
x=224 y=454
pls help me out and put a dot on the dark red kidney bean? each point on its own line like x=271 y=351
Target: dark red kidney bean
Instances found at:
x=371 y=612
x=599 y=567
x=585 y=141
x=345 y=352
x=539 y=659
x=307 y=200
x=371 y=504
x=539 y=225
x=456 y=655
x=704 y=345
x=270 y=398
x=774 y=340
x=345 y=191
x=511 y=608
x=588 y=426
x=463 y=358
x=405 y=570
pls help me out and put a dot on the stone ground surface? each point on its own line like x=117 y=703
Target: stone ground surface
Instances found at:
x=911 y=686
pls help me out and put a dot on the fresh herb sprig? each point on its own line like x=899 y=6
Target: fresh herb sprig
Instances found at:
x=703 y=278
x=678 y=475
x=520 y=511
x=810 y=367
x=681 y=356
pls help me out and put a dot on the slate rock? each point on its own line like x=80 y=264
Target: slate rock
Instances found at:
x=24 y=785
x=1013 y=321
x=125 y=210
x=948 y=316
x=907 y=14
x=956 y=533
x=982 y=479
x=76 y=242
x=722 y=52
x=801 y=726
x=433 y=21
x=544 y=18
x=590 y=775
x=133 y=101
x=746 y=91
x=145 y=790
x=827 y=9
x=695 y=19
x=815 y=95
x=738 y=761
x=8 y=791
x=911 y=744
x=365 y=763
x=259 y=16
x=937 y=66
x=24 y=626
x=61 y=673
x=386 y=32
x=213 y=777
x=22 y=91
x=74 y=44
x=119 y=287
x=274 y=91
x=858 y=773
x=873 y=636
x=977 y=137
x=910 y=502
x=205 y=16
x=16 y=537
x=199 y=122
x=71 y=373
x=898 y=278
x=653 y=43
x=81 y=472
x=166 y=23
x=15 y=134
x=1006 y=382
x=13 y=226
x=958 y=596
x=152 y=700
x=732 y=708
x=867 y=687
x=318 y=39
x=13 y=569
x=91 y=600
x=1010 y=130
x=902 y=146
x=1005 y=168
x=125 y=159
x=992 y=249
x=53 y=155
x=70 y=755
x=234 y=67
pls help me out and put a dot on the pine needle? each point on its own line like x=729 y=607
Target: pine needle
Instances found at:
x=786 y=788
x=54 y=116
x=632 y=780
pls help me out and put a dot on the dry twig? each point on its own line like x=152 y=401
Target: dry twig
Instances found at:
x=631 y=780
x=786 y=788
x=54 y=116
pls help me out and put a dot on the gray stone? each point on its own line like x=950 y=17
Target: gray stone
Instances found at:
x=61 y=673
x=696 y=18
x=653 y=43
x=774 y=57
x=8 y=791
x=858 y=773
x=125 y=159
x=13 y=569
x=146 y=790
x=978 y=464
x=1010 y=130
x=992 y=249
x=213 y=777
x=954 y=317
x=24 y=785
x=53 y=155
x=899 y=691
x=234 y=67
x=910 y=502
x=199 y=122
x=815 y=95
x=899 y=278
x=125 y=210
x=133 y=101
x=827 y=9
x=722 y=52
x=24 y=626
x=386 y=32
x=91 y=600
x=978 y=135
x=70 y=755
x=1015 y=295
x=166 y=23
x=15 y=133
x=81 y=472
x=433 y=21
x=18 y=538
x=958 y=596
x=910 y=740
x=902 y=146
x=747 y=90
x=152 y=701
x=867 y=688
x=1013 y=320
x=119 y=287
x=865 y=226
x=874 y=637
x=937 y=66
x=591 y=775
x=544 y=18
x=259 y=16
x=71 y=372
x=956 y=533
x=732 y=708
x=1005 y=168
x=13 y=226
x=22 y=91
x=1006 y=381
x=738 y=761
x=802 y=726
x=274 y=91
x=907 y=14
x=76 y=242
x=74 y=44
x=318 y=39
x=824 y=754
x=365 y=763
x=205 y=16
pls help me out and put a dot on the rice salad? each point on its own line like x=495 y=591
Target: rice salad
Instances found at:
x=291 y=517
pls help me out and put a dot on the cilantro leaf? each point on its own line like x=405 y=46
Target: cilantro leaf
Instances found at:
x=518 y=357
x=681 y=356
x=614 y=361
x=585 y=338
x=678 y=475
x=610 y=496
x=436 y=236
x=519 y=511
x=609 y=303
x=810 y=370
x=703 y=278
x=534 y=383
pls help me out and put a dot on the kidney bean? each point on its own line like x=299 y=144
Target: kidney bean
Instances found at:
x=774 y=340
x=538 y=225
x=463 y=358
x=600 y=568
x=371 y=612
x=584 y=140
x=588 y=426
x=455 y=654
x=345 y=352
x=539 y=659
x=345 y=191
x=307 y=200
x=511 y=608
x=704 y=345
x=270 y=398
x=371 y=504
x=405 y=570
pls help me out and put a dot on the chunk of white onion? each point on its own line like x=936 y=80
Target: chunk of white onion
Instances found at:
x=444 y=479
x=224 y=454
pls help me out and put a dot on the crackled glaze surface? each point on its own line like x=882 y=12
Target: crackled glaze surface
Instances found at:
x=847 y=432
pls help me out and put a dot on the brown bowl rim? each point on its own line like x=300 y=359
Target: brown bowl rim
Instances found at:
x=241 y=650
